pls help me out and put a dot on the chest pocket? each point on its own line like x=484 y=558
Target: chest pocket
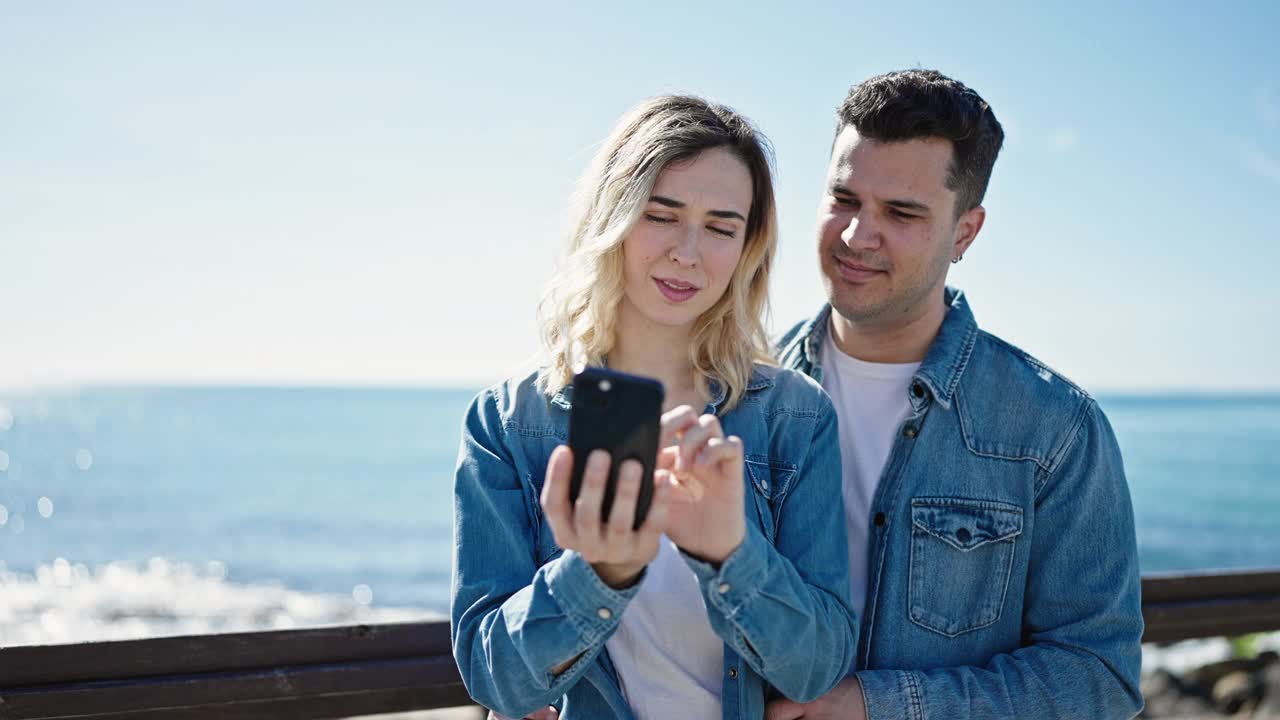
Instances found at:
x=962 y=554
x=766 y=479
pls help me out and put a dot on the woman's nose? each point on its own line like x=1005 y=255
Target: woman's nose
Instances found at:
x=685 y=251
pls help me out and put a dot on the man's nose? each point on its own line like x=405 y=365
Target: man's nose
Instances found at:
x=860 y=233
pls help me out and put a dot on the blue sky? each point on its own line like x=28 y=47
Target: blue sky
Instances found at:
x=374 y=192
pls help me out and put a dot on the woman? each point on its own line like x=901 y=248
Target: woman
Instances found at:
x=737 y=579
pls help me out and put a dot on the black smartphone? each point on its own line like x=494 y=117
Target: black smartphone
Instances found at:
x=622 y=414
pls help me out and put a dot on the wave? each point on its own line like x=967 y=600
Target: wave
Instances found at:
x=64 y=602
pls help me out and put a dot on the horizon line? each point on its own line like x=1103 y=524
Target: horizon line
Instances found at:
x=449 y=385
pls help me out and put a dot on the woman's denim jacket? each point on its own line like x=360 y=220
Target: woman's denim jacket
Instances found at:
x=521 y=605
x=1002 y=565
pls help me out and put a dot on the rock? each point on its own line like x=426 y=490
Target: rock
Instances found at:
x=1232 y=691
x=1160 y=690
x=1270 y=681
x=1190 y=706
x=1208 y=675
x=1238 y=688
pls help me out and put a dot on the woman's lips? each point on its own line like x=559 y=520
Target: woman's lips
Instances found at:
x=674 y=290
x=854 y=272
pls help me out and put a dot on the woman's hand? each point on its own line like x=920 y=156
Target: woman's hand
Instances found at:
x=616 y=551
x=704 y=471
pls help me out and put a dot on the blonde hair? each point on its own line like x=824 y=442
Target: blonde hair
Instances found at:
x=579 y=310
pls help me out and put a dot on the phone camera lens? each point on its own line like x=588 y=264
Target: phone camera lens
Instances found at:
x=605 y=386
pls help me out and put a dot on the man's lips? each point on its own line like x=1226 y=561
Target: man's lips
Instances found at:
x=856 y=272
x=675 y=290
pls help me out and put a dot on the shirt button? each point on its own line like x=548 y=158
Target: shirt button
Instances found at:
x=604 y=613
x=724 y=588
x=917 y=389
x=963 y=535
x=733 y=672
x=880 y=519
x=909 y=431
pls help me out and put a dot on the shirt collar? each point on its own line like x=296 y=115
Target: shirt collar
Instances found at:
x=943 y=364
x=950 y=350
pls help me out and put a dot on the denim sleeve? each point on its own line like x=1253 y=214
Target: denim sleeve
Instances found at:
x=784 y=608
x=512 y=621
x=1082 y=621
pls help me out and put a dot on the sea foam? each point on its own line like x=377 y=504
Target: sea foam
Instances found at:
x=64 y=602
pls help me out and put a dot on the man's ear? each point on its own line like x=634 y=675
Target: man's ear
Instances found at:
x=967 y=228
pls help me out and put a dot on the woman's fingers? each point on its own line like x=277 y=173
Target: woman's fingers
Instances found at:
x=719 y=450
x=695 y=438
x=555 y=496
x=674 y=424
x=655 y=523
x=586 y=510
x=622 y=516
x=579 y=526
x=681 y=488
x=667 y=457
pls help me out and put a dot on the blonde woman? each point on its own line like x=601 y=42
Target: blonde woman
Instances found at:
x=737 y=581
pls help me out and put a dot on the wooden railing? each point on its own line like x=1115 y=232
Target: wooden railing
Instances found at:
x=366 y=669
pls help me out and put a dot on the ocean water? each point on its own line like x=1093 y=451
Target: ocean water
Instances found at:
x=130 y=512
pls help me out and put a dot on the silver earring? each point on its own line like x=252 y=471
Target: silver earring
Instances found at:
x=957 y=259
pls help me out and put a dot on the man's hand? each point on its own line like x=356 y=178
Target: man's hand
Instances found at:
x=842 y=703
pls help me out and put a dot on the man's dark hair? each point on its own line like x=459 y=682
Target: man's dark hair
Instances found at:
x=912 y=104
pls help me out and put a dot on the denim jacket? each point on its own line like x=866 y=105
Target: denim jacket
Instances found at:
x=1003 y=571
x=521 y=605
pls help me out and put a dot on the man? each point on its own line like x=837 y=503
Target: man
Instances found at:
x=991 y=534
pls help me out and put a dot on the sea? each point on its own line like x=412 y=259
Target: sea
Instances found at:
x=132 y=512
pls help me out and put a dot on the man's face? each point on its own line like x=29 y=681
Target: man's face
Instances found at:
x=887 y=229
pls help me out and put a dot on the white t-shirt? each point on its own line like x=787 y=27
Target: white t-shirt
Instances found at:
x=669 y=661
x=871 y=401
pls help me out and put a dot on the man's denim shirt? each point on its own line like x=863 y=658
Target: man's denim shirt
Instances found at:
x=521 y=605
x=1003 y=572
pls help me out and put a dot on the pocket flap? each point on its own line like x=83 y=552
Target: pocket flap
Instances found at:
x=966 y=524
x=768 y=477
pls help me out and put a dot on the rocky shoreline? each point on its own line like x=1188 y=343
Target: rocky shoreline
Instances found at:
x=1236 y=688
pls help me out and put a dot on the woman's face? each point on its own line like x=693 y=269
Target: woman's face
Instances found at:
x=682 y=252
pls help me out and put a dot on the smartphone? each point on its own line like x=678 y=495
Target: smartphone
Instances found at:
x=622 y=414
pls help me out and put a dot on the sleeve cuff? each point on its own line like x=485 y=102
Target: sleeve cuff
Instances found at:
x=739 y=577
x=891 y=695
x=593 y=607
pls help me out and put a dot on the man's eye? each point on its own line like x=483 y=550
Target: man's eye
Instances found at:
x=844 y=201
x=902 y=216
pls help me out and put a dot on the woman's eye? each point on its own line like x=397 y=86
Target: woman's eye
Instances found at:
x=659 y=219
x=721 y=231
